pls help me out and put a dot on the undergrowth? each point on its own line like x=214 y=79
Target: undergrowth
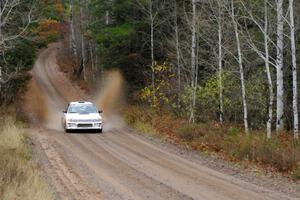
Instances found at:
x=281 y=153
x=19 y=177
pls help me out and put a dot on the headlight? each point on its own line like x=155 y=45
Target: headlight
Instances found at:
x=72 y=120
x=71 y=125
x=97 y=120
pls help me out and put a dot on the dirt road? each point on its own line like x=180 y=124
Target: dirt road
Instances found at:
x=118 y=165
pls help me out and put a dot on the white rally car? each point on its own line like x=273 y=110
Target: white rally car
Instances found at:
x=82 y=115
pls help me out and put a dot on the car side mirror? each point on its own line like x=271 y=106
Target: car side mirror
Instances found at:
x=64 y=111
x=100 y=111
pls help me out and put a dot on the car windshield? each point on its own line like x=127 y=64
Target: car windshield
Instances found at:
x=82 y=108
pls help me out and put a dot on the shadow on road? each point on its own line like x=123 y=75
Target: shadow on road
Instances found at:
x=84 y=132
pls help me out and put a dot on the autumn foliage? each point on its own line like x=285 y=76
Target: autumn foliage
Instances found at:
x=160 y=95
x=49 y=30
x=59 y=9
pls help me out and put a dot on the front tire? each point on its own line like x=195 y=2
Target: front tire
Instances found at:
x=100 y=131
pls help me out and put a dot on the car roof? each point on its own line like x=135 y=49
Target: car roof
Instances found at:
x=80 y=102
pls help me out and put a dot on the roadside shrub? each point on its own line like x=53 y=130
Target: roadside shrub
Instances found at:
x=280 y=153
x=190 y=132
x=233 y=131
x=167 y=124
x=144 y=127
x=132 y=114
x=139 y=119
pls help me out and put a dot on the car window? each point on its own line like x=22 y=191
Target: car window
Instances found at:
x=82 y=108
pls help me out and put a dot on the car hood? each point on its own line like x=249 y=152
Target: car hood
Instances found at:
x=78 y=116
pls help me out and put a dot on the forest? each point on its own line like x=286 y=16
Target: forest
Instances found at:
x=221 y=60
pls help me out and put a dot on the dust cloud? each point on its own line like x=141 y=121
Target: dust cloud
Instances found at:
x=35 y=106
x=110 y=98
x=44 y=105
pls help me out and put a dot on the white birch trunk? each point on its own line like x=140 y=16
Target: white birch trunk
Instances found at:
x=193 y=62
x=220 y=58
x=152 y=43
x=72 y=27
x=177 y=53
x=294 y=70
x=279 y=67
x=267 y=65
x=196 y=79
x=240 y=60
x=96 y=62
x=82 y=40
x=107 y=17
x=92 y=60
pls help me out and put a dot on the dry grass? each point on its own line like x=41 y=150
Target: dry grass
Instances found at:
x=281 y=154
x=19 y=177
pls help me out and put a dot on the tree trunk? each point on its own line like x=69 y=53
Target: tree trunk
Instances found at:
x=107 y=17
x=177 y=53
x=82 y=65
x=193 y=63
x=267 y=65
x=294 y=70
x=240 y=60
x=220 y=62
x=83 y=56
x=152 y=44
x=279 y=67
x=92 y=59
x=72 y=29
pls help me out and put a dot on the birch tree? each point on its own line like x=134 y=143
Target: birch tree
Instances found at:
x=263 y=27
x=84 y=57
x=151 y=10
x=107 y=12
x=11 y=31
x=294 y=69
x=193 y=61
x=279 y=67
x=268 y=71
x=8 y=9
x=82 y=27
x=220 y=61
x=240 y=62
x=176 y=28
x=152 y=17
x=73 y=46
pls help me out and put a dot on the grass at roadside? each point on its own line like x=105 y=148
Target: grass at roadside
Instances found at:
x=19 y=177
x=280 y=154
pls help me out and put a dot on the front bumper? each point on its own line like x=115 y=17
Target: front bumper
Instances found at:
x=83 y=126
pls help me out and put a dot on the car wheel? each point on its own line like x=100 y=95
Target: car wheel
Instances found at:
x=100 y=131
x=67 y=131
